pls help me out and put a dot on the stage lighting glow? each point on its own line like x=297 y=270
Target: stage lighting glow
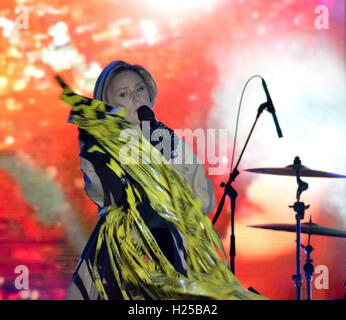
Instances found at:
x=149 y=31
x=12 y=105
x=7 y=27
x=9 y=31
x=59 y=32
x=9 y=140
x=3 y=83
x=31 y=71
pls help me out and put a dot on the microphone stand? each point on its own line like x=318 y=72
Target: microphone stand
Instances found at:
x=232 y=193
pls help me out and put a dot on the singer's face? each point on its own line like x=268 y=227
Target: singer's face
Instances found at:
x=127 y=89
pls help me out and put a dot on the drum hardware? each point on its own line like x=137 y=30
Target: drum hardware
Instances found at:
x=298 y=170
x=306 y=227
x=290 y=171
x=308 y=267
x=309 y=228
x=299 y=207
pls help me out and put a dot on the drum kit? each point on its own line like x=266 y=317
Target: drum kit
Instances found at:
x=298 y=170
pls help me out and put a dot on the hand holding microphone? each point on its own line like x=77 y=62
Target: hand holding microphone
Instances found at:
x=158 y=132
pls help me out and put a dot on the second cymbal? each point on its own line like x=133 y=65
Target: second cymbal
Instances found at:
x=290 y=171
x=306 y=227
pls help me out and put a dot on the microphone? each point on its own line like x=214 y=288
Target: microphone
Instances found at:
x=158 y=132
x=271 y=109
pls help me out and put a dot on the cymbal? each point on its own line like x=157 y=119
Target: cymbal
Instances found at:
x=290 y=171
x=306 y=227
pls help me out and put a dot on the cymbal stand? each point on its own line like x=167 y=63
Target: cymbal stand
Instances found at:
x=308 y=267
x=299 y=208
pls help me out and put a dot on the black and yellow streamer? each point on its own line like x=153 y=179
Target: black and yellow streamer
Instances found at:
x=137 y=262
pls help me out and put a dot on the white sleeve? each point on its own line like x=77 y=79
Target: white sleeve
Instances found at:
x=191 y=168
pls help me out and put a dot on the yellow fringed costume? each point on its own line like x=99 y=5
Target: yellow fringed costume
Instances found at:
x=137 y=262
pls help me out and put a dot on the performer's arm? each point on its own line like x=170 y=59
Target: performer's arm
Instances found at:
x=203 y=188
x=102 y=185
x=190 y=166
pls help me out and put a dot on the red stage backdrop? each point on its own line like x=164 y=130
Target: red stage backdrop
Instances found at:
x=201 y=53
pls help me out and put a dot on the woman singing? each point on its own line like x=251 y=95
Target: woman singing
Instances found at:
x=153 y=239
